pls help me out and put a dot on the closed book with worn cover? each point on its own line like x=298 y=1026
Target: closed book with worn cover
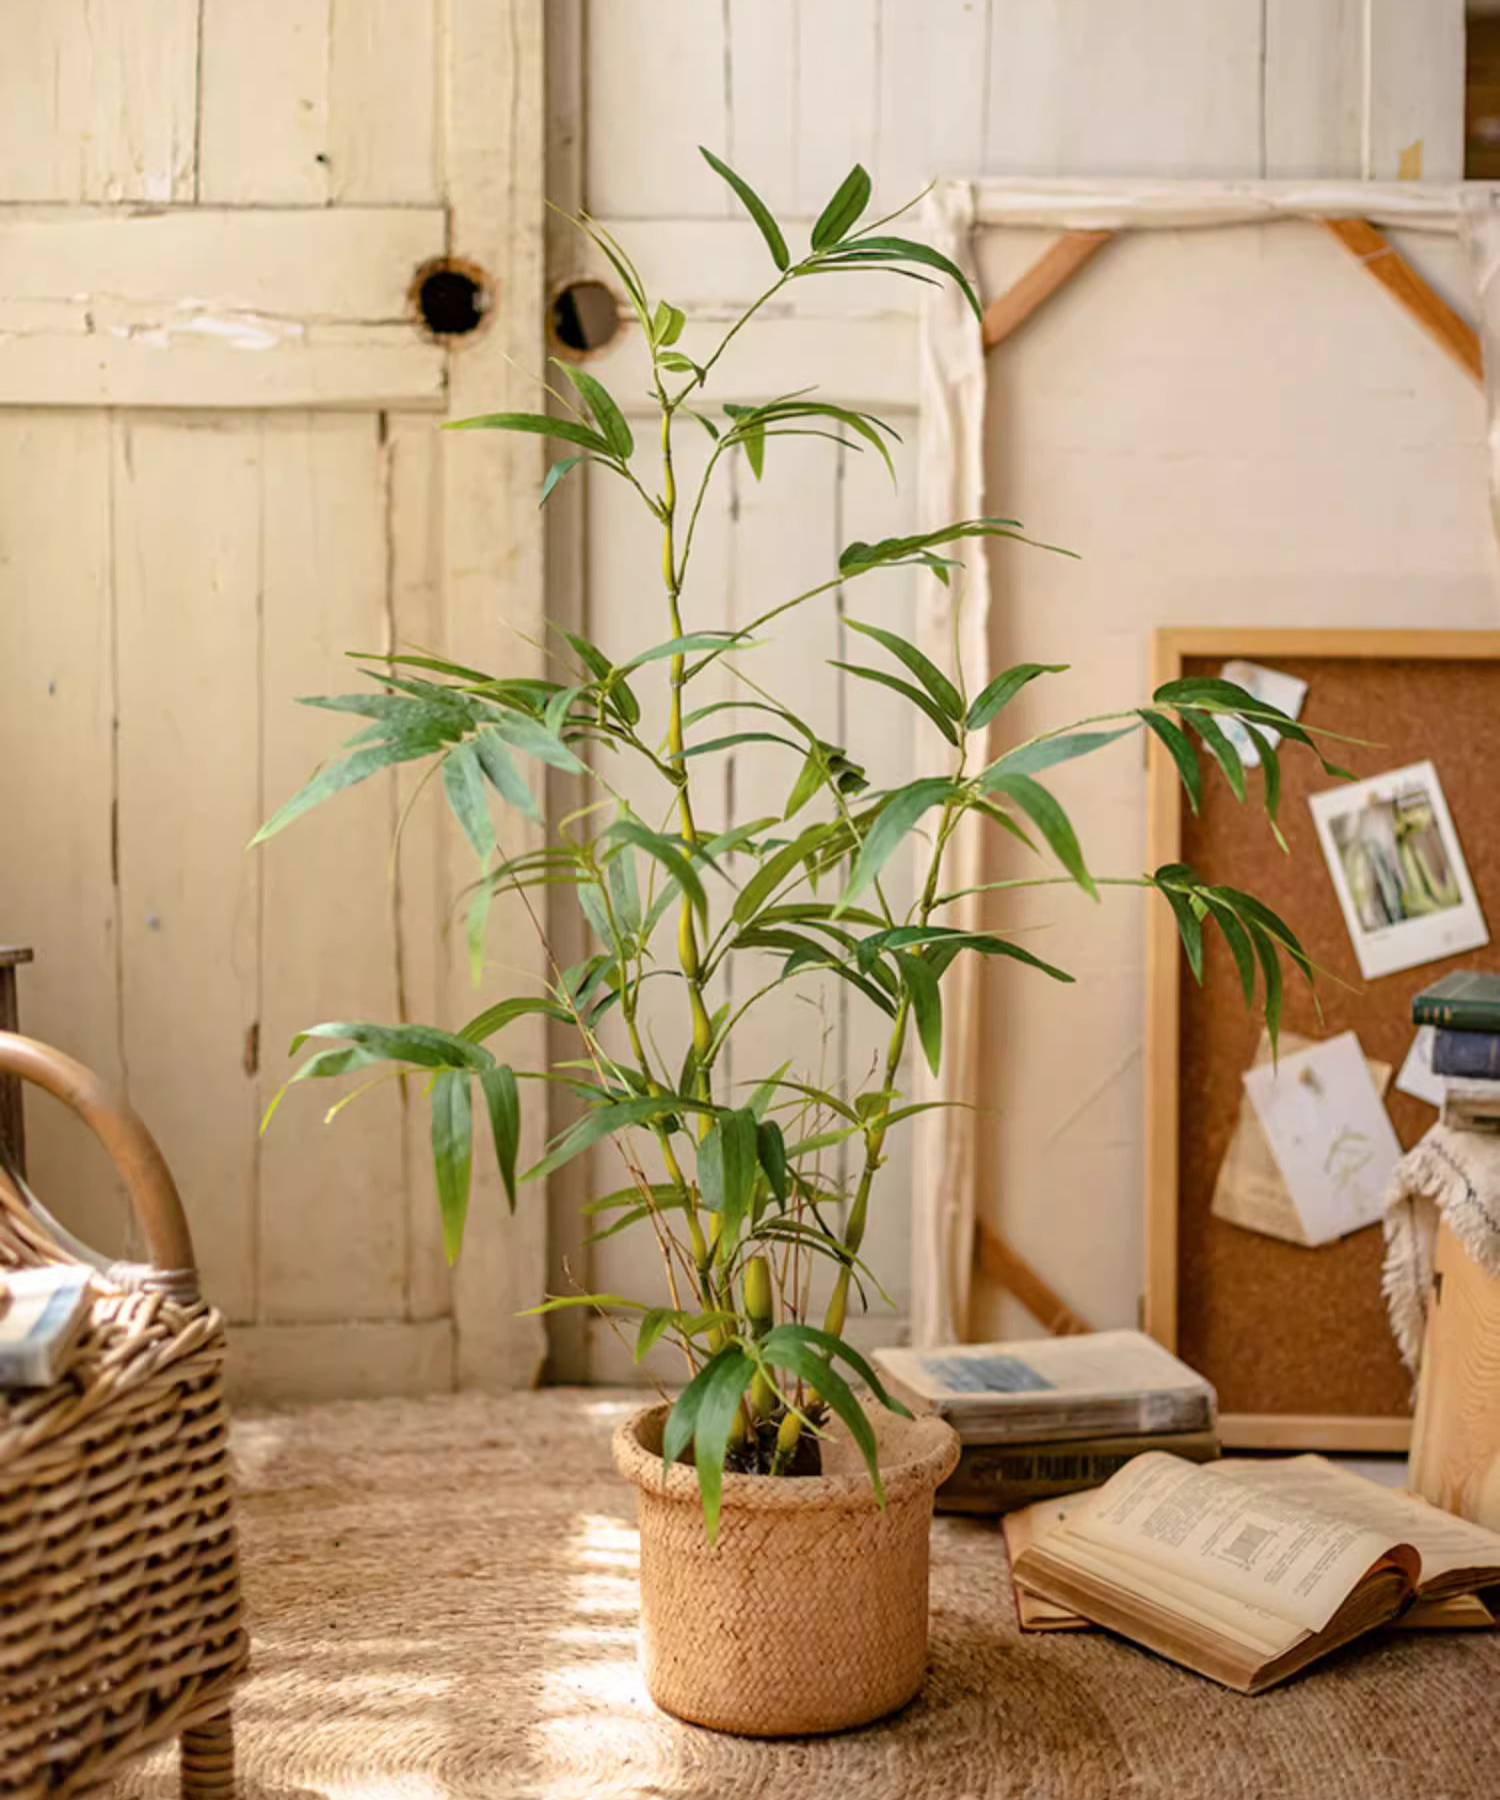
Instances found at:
x=994 y=1478
x=42 y=1312
x=1473 y=1053
x=1468 y=1000
x=1047 y=1390
x=1470 y=1105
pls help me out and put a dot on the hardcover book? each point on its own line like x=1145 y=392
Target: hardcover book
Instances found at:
x=1100 y=1384
x=1475 y=1054
x=994 y=1478
x=42 y=1312
x=1468 y=999
x=1471 y=1105
x=1247 y=1571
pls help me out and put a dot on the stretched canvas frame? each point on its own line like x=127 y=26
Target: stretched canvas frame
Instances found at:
x=1087 y=218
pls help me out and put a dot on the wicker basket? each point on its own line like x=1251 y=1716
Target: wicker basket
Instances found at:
x=810 y=1612
x=120 y=1619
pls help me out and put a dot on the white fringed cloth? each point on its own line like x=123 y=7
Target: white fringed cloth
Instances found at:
x=1452 y=1175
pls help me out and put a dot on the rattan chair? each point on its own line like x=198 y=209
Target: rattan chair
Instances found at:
x=120 y=1621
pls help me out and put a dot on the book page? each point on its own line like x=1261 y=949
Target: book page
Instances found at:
x=1444 y=1542
x=1245 y=1543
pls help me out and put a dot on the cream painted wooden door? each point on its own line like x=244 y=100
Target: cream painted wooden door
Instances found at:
x=220 y=467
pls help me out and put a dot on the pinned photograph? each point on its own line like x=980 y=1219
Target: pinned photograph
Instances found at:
x=1398 y=870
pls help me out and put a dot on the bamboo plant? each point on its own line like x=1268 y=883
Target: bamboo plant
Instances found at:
x=736 y=1195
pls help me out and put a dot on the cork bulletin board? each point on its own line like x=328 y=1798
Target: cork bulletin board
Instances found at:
x=1296 y=1339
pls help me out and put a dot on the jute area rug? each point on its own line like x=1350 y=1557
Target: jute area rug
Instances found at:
x=442 y=1597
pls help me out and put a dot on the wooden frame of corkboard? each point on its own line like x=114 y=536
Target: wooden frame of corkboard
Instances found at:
x=1296 y=1340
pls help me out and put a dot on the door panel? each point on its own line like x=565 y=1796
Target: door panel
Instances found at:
x=220 y=469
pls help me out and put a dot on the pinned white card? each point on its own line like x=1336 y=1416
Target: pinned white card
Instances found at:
x=1329 y=1133
x=1416 y=1077
x=1285 y=692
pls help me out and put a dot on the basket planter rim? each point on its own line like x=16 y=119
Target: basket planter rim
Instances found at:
x=916 y=1456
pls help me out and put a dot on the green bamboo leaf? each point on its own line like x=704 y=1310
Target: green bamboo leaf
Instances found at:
x=654 y=1322
x=602 y=404
x=677 y=646
x=1270 y=968
x=775 y=869
x=752 y=438
x=624 y=892
x=503 y=775
x=1048 y=817
x=334 y=777
x=495 y=1018
x=836 y=1346
x=805 y=1363
x=559 y=471
x=1191 y=688
x=710 y=746
x=926 y=1003
x=532 y=738
x=1270 y=771
x=755 y=206
x=504 y=1104
x=667 y=324
x=770 y=1148
x=843 y=210
x=323 y=1064
x=900 y=249
x=1189 y=928
x=1218 y=747
x=1238 y=940
x=1048 y=752
x=560 y=1302
x=1003 y=689
x=931 y=677
x=538 y=425
x=944 y=942
x=1256 y=913
x=463 y=784
x=907 y=691
x=670 y=854
x=600 y=1121
x=452 y=1153
x=727 y=1167
x=809 y=780
x=1180 y=748
x=895 y=819
x=423 y=1045
x=725 y=1379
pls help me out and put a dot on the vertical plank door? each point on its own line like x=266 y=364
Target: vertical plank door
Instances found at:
x=220 y=470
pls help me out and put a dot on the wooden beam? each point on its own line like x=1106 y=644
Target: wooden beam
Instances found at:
x=1373 y=251
x=1012 y=1272
x=1040 y=282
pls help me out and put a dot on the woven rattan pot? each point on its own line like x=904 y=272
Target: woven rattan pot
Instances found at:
x=810 y=1612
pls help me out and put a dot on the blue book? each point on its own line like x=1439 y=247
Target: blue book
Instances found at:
x=42 y=1314
x=1472 y=1054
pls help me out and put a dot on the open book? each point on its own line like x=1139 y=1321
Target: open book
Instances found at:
x=1248 y=1571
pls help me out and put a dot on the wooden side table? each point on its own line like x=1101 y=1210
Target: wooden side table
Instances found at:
x=12 y=1122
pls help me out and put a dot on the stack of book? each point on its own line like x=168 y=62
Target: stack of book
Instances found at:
x=1050 y=1416
x=1464 y=1011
